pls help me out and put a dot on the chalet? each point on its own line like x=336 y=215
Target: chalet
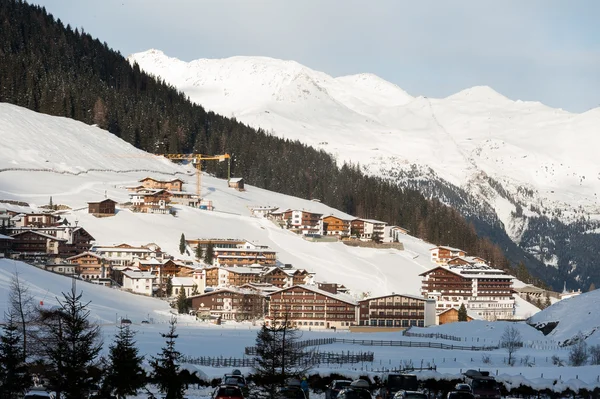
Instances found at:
x=30 y=243
x=301 y=221
x=90 y=266
x=133 y=189
x=441 y=255
x=37 y=220
x=485 y=291
x=245 y=254
x=450 y=315
x=5 y=244
x=237 y=183
x=151 y=201
x=262 y=211
x=334 y=288
x=139 y=282
x=231 y=276
x=230 y=304
x=170 y=185
x=102 y=208
x=125 y=254
x=306 y=306
x=397 y=310
x=467 y=261
x=263 y=288
x=185 y=198
x=184 y=283
x=67 y=269
x=394 y=233
x=335 y=226
x=78 y=241
x=367 y=229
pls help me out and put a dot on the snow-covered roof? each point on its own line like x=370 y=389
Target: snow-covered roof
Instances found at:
x=185 y=281
x=137 y=274
x=236 y=179
x=448 y=248
x=40 y=234
x=473 y=271
x=372 y=221
x=341 y=297
x=3 y=237
x=417 y=297
x=87 y=253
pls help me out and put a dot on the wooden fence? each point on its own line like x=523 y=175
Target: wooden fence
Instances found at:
x=312 y=359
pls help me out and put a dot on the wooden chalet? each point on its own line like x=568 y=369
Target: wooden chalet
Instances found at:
x=306 y=306
x=450 y=315
x=441 y=254
x=5 y=244
x=170 y=185
x=367 y=229
x=151 y=201
x=229 y=304
x=29 y=243
x=237 y=183
x=102 y=208
x=335 y=226
x=68 y=269
x=91 y=266
x=396 y=310
x=231 y=276
x=38 y=220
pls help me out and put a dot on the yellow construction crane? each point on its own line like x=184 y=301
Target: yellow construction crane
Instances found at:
x=197 y=160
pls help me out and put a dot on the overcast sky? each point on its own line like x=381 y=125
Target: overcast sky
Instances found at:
x=541 y=50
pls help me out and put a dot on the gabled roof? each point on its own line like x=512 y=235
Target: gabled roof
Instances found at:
x=472 y=271
x=228 y=289
x=417 y=297
x=372 y=221
x=87 y=254
x=160 y=181
x=136 y=274
x=3 y=237
x=340 y=297
x=236 y=179
x=39 y=234
x=185 y=281
x=448 y=248
x=104 y=200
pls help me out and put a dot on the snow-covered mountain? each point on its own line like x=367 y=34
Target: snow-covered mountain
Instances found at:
x=517 y=159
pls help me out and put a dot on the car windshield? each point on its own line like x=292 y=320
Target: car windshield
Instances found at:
x=234 y=379
x=486 y=385
x=229 y=391
x=415 y=395
x=341 y=384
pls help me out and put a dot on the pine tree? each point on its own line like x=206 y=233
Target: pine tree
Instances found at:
x=14 y=374
x=182 y=303
x=125 y=374
x=195 y=289
x=199 y=252
x=462 y=313
x=71 y=344
x=50 y=205
x=547 y=302
x=165 y=367
x=209 y=254
x=182 y=244
x=169 y=287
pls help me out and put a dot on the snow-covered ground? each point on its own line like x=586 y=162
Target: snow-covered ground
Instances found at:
x=477 y=132
x=43 y=156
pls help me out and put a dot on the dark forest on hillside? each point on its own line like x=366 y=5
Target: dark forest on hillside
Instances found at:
x=51 y=68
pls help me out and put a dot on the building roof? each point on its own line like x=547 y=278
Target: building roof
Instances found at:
x=185 y=281
x=86 y=254
x=228 y=289
x=372 y=221
x=3 y=237
x=160 y=181
x=448 y=248
x=473 y=271
x=104 y=200
x=40 y=234
x=417 y=297
x=340 y=297
x=137 y=274
x=236 y=179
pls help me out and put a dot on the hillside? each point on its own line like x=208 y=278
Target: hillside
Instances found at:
x=519 y=166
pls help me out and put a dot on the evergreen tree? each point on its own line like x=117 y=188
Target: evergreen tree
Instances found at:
x=199 y=252
x=165 y=367
x=124 y=371
x=14 y=374
x=50 y=205
x=169 y=287
x=182 y=244
x=547 y=302
x=209 y=254
x=462 y=313
x=182 y=302
x=71 y=344
x=195 y=289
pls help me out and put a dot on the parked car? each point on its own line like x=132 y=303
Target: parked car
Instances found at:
x=236 y=378
x=39 y=393
x=462 y=387
x=409 y=395
x=126 y=322
x=358 y=389
x=460 y=395
x=228 y=392
x=335 y=387
x=395 y=382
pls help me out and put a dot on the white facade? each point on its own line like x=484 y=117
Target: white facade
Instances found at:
x=126 y=256
x=262 y=211
x=188 y=284
x=138 y=282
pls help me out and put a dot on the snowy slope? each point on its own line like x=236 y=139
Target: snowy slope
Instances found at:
x=574 y=315
x=103 y=166
x=541 y=156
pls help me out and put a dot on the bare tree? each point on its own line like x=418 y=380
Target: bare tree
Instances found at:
x=595 y=354
x=578 y=355
x=512 y=341
x=22 y=309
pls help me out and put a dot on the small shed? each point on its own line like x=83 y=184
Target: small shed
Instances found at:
x=102 y=208
x=450 y=315
x=237 y=183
